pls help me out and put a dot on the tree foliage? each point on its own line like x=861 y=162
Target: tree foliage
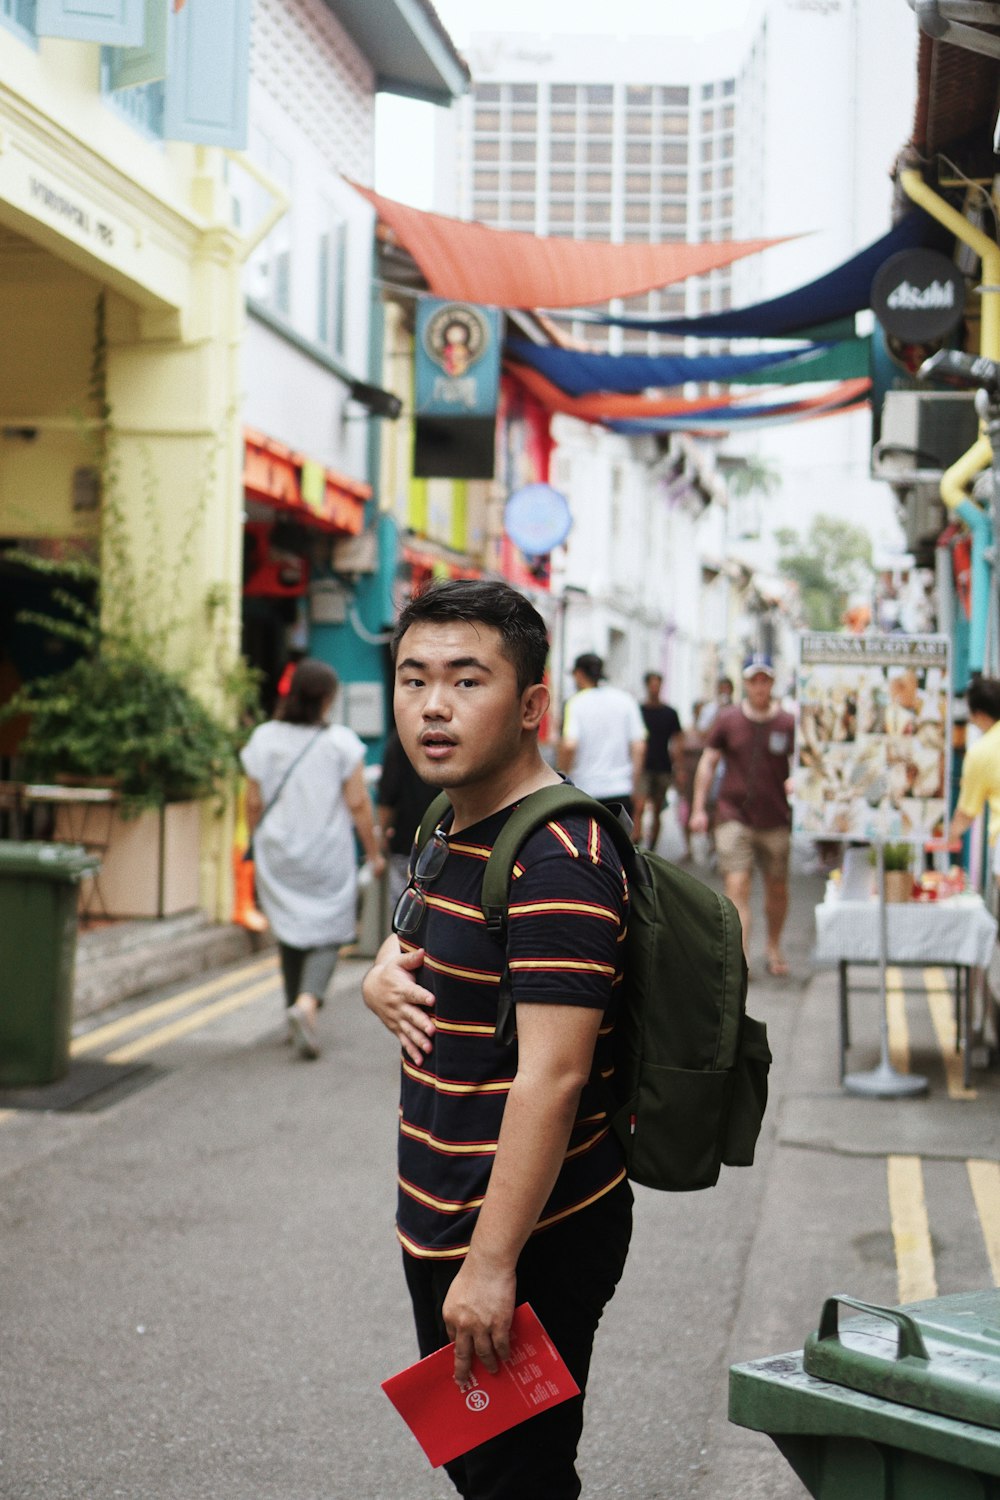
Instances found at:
x=830 y=563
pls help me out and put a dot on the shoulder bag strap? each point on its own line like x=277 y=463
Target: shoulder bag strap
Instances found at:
x=282 y=783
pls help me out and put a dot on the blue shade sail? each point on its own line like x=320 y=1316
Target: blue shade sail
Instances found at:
x=582 y=374
x=840 y=293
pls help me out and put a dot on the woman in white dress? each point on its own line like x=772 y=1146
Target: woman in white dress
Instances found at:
x=306 y=799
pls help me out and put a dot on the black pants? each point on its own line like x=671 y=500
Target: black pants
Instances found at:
x=307 y=971
x=568 y=1274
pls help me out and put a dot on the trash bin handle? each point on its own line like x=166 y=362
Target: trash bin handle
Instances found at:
x=910 y=1344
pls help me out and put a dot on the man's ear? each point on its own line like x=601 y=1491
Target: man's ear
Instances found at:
x=534 y=705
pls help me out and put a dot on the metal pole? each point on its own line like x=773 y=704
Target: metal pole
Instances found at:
x=884 y=1082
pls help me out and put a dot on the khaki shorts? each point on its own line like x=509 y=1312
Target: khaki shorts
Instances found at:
x=738 y=848
x=654 y=785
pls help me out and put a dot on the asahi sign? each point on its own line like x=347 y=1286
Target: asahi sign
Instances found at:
x=918 y=295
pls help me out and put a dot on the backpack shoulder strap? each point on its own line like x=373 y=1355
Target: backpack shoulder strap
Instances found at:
x=537 y=809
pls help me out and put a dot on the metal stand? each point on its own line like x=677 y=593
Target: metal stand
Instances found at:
x=884 y=1082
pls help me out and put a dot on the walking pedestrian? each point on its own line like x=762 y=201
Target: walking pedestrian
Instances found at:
x=306 y=789
x=753 y=818
x=403 y=798
x=512 y=1187
x=685 y=766
x=603 y=742
x=980 y=784
x=709 y=712
x=663 y=730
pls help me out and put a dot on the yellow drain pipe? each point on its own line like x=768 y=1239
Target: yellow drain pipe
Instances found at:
x=956 y=480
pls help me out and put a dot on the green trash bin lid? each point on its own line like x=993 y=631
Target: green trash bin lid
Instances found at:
x=46 y=861
x=941 y=1356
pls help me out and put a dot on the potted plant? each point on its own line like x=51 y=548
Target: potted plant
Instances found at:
x=117 y=717
x=897 y=862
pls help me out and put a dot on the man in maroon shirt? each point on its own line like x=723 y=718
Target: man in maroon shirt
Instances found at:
x=753 y=818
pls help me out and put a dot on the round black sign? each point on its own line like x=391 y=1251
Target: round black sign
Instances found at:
x=918 y=295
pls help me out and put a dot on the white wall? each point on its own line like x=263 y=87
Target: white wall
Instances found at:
x=311 y=118
x=826 y=103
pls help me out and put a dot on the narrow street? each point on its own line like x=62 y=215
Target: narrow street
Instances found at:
x=202 y=1288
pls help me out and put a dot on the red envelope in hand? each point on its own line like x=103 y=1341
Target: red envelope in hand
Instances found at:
x=447 y=1421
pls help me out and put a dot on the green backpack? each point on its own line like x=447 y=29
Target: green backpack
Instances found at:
x=690 y=1078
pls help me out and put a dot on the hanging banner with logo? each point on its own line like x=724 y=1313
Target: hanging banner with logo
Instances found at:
x=872 y=747
x=918 y=296
x=457 y=359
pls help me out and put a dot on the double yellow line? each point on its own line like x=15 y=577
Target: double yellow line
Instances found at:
x=163 y=1010
x=915 y=1268
x=177 y=1016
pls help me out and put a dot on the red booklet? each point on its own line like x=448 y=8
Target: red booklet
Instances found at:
x=447 y=1421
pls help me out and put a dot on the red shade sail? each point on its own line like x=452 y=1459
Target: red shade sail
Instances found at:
x=471 y=262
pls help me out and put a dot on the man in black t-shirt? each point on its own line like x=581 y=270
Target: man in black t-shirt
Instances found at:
x=403 y=798
x=663 y=728
x=511 y=1184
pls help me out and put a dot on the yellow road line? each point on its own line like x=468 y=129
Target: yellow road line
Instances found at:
x=984 y=1178
x=899 y=1036
x=942 y=1009
x=187 y=1024
x=910 y=1229
x=161 y=1009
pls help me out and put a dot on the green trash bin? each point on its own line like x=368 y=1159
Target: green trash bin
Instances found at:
x=897 y=1404
x=38 y=917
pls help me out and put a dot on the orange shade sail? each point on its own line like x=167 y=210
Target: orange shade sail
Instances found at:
x=471 y=262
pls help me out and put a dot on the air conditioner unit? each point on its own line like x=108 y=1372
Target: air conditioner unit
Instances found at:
x=356 y=554
x=923 y=433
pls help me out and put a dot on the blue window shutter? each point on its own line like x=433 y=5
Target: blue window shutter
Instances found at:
x=128 y=66
x=208 y=73
x=116 y=23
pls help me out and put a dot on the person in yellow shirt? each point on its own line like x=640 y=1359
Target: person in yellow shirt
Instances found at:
x=980 y=786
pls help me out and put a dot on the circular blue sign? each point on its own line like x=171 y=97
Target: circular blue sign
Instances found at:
x=537 y=518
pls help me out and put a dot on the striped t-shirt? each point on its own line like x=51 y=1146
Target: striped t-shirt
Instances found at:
x=567 y=917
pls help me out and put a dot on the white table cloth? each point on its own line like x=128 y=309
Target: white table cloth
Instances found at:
x=957 y=931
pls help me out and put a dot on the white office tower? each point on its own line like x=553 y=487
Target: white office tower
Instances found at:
x=826 y=96
x=788 y=127
x=603 y=138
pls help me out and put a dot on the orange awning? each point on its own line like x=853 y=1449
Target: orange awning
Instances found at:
x=471 y=262
x=272 y=475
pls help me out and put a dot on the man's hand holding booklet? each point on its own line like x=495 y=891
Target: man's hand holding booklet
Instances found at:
x=447 y=1421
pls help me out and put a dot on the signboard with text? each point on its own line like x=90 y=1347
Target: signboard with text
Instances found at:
x=872 y=746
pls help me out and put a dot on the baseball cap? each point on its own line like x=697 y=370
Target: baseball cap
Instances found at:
x=757 y=663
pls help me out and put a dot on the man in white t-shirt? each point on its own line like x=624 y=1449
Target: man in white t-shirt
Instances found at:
x=603 y=746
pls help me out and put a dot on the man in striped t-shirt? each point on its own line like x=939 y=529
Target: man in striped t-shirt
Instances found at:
x=512 y=1187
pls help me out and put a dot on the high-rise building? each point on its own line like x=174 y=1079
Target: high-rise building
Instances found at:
x=606 y=139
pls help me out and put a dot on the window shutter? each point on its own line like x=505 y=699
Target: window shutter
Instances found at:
x=129 y=66
x=116 y=23
x=208 y=70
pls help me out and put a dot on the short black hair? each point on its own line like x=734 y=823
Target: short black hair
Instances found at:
x=591 y=665
x=482 y=601
x=312 y=683
x=983 y=697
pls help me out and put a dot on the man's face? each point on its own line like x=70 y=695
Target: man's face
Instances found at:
x=458 y=710
x=653 y=686
x=758 y=690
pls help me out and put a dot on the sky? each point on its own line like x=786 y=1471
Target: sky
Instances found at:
x=405 y=129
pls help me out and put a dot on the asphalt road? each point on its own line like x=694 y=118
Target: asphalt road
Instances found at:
x=201 y=1288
